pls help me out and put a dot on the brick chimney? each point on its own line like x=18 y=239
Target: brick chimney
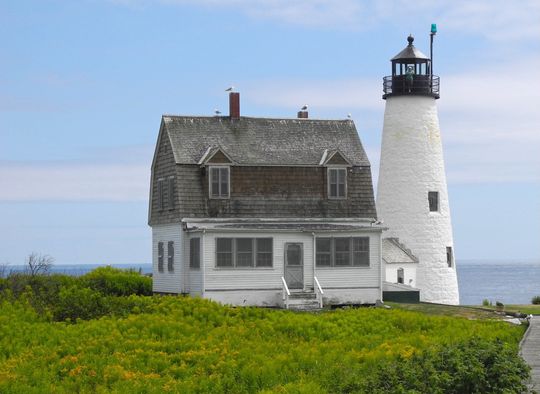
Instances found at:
x=302 y=114
x=234 y=105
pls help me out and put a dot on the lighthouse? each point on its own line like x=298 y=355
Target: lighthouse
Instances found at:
x=412 y=196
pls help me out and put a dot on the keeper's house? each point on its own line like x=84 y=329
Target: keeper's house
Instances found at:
x=269 y=212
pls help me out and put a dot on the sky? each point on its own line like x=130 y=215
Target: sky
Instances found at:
x=83 y=85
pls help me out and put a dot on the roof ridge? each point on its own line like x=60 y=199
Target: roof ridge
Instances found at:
x=254 y=117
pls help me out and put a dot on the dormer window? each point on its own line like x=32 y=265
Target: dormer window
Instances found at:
x=219 y=182
x=337 y=182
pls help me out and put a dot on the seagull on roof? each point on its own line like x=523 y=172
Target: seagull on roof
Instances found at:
x=230 y=89
x=304 y=108
x=349 y=116
x=217 y=111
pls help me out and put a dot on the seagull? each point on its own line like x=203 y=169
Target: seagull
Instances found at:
x=217 y=111
x=304 y=108
x=230 y=89
x=349 y=116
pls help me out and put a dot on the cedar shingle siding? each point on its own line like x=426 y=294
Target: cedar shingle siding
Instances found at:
x=275 y=169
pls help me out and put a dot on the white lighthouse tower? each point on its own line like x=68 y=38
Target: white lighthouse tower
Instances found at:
x=412 y=197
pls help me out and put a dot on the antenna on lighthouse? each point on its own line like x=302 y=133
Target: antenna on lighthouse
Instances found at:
x=431 y=35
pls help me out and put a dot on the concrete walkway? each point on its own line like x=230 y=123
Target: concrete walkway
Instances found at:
x=530 y=351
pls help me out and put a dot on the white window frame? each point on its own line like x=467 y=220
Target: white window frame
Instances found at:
x=351 y=252
x=254 y=254
x=334 y=168
x=220 y=197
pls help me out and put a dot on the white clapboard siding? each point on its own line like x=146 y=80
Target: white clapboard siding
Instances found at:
x=255 y=278
x=193 y=278
x=167 y=282
x=270 y=278
x=354 y=277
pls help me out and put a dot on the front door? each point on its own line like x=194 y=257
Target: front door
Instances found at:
x=294 y=265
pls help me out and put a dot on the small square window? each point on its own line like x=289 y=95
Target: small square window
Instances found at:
x=433 y=198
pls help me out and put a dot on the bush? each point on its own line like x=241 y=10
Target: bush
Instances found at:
x=536 y=300
x=486 y=302
x=79 y=303
x=117 y=282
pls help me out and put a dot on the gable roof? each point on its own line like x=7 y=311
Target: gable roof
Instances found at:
x=263 y=141
x=394 y=251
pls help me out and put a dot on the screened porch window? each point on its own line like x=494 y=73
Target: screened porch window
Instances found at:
x=195 y=253
x=244 y=252
x=342 y=252
x=219 y=182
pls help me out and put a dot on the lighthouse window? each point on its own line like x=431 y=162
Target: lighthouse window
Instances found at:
x=433 y=198
x=449 y=256
x=337 y=182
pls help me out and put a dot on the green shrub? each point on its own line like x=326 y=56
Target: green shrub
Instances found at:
x=117 y=282
x=79 y=303
x=486 y=302
x=536 y=300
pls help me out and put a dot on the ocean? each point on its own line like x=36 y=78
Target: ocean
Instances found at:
x=511 y=282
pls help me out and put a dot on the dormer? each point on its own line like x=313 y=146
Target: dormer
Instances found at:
x=336 y=173
x=218 y=165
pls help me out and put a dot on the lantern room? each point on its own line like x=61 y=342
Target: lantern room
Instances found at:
x=412 y=74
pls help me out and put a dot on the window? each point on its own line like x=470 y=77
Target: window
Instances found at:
x=224 y=251
x=160 y=256
x=400 y=275
x=170 y=256
x=342 y=252
x=160 y=196
x=324 y=252
x=244 y=252
x=170 y=192
x=449 y=256
x=361 y=252
x=264 y=252
x=433 y=198
x=195 y=253
x=219 y=182
x=337 y=182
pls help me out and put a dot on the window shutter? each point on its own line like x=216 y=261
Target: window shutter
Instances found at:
x=160 y=256
x=170 y=256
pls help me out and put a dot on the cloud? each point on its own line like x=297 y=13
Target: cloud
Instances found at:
x=497 y=20
x=41 y=181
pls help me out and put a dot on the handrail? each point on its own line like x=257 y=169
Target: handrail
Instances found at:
x=285 y=292
x=319 y=291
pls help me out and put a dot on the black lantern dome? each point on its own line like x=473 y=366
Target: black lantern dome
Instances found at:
x=411 y=74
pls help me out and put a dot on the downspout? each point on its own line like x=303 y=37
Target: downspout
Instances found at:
x=203 y=267
x=381 y=267
x=314 y=259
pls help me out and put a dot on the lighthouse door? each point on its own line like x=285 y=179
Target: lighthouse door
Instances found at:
x=294 y=265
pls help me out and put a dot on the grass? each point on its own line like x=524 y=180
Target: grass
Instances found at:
x=468 y=312
x=524 y=308
x=190 y=345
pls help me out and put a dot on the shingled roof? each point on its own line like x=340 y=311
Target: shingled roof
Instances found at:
x=263 y=141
